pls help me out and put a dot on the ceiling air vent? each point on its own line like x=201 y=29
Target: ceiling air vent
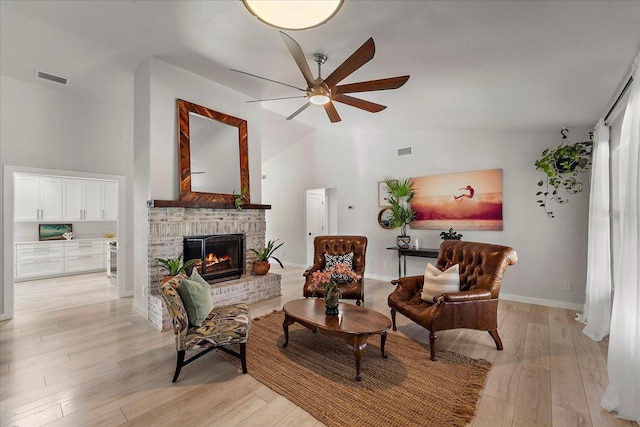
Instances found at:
x=51 y=77
x=406 y=151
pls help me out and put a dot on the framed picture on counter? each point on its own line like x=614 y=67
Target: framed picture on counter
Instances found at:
x=53 y=231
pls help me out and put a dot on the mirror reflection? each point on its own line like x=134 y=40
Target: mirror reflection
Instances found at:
x=214 y=156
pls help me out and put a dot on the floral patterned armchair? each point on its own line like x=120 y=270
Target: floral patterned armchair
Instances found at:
x=224 y=326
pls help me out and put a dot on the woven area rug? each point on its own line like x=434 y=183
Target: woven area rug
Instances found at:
x=317 y=373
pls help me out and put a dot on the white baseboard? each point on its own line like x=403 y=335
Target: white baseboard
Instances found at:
x=142 y=311
x=379 y=277
x=290 y=264
x=508 y=297
x=542 y=301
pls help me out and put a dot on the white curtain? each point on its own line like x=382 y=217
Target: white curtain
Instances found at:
x=623 y=392
x=597 y=307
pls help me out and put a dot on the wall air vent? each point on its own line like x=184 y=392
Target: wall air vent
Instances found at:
x=50 y=77
x=406 y=151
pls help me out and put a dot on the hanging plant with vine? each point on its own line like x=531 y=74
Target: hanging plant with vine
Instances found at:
x=562 y=167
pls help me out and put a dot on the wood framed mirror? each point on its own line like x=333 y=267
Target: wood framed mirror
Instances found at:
x=213 y=154
x=384 y=218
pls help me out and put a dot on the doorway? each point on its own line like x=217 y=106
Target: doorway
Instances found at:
x=321 y=216
x=7 y=252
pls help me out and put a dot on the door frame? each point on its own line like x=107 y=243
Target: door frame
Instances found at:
x=7 y=251
x=330 y=223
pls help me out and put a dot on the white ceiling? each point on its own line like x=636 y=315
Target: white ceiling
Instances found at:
x=474 y=65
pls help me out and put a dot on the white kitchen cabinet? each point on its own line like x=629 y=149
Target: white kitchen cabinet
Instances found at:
x=83 y=255
x=42 y=259
x=37 y=198
x=110 y=205
x=83 y=199
x=35 y=260
x=78 y=263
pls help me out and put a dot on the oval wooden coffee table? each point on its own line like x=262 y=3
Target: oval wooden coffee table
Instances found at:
x=353 y=324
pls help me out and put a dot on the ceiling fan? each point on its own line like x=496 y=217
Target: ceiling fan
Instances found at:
x=324 y=91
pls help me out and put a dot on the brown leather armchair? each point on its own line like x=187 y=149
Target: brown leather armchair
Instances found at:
x=339 y=245
x=475 y=306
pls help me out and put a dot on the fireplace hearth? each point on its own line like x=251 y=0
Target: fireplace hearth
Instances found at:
x=221 y=256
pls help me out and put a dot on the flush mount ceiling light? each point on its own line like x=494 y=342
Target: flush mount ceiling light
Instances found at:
x=293 y=15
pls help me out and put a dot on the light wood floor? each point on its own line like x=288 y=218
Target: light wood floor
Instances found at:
x=76 y=355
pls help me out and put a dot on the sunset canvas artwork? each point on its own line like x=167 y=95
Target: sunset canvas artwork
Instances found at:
x=464 y=201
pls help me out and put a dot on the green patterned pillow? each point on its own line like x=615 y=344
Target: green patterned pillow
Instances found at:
x=195 y=293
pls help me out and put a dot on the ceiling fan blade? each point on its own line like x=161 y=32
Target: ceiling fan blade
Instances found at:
x=357 y=59
x=277 y=99
x=270 y=80
x=369 y=106
x=300 y=110
x=298 y=56
x=371 y=85
x=332 y=112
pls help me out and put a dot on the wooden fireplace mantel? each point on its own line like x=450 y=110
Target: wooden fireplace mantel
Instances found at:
x=198 y=204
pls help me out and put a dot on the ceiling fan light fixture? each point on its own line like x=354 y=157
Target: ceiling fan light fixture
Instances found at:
x=319 y=99
x=293 y=15
x=318 y=95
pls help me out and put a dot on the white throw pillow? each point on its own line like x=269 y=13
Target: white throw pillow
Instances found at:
x=437 y=282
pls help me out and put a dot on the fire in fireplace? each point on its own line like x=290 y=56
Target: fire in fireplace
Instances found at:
x=221 y=256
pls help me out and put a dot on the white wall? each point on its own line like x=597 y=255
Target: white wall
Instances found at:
x=551 y=251
x=52 y=129
x=158 y=85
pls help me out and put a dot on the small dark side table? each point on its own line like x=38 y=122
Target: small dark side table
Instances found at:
x=404 y=253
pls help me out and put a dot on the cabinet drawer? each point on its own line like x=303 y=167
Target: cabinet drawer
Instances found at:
x=38 y=267
x=84 y=263
x=38 y=250
x=84 y=247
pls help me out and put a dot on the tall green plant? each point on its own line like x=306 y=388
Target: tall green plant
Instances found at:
x=401 y=192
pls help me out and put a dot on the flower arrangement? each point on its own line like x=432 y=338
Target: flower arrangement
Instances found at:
x=325 y=278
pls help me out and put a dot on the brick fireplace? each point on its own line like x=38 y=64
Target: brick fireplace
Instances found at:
x=167 y=228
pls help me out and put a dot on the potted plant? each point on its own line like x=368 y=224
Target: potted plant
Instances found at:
x=261 y=265
x=239 y=199
x=561 y=167
x=174 y=266
x=450 y=235
x=401 y=192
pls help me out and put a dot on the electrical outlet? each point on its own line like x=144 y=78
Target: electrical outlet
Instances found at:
x=566 y=286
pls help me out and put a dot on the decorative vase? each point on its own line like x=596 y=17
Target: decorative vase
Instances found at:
x=403 y=241
x=331 y=303
x=260 y=268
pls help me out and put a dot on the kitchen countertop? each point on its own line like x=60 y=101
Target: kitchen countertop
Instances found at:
x=107 y=239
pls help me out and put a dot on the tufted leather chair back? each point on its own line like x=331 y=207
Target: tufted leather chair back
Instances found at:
x=340 y=245
x=482 y=265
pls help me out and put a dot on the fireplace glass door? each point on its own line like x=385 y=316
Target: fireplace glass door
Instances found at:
x=221 y=256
